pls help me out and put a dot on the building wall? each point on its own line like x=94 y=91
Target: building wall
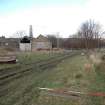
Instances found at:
x=12 y=43
x=25 y=46
x=41 y=45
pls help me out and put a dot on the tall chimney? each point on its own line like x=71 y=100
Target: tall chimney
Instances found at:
x=30 y=32
x=31 y=36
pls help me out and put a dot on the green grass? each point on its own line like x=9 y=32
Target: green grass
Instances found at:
x=24 y=91
x=70 y=74
x=99 y=84
x=24 y=58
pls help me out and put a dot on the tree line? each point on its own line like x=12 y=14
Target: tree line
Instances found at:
x=89 y=36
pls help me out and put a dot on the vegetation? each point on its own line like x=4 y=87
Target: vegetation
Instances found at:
x=89 y=36
x=71 y=74
x=25 y=58
x=27 y=92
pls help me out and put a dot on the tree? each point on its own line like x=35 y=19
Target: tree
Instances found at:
x=53 y=40
x=20 y=34
x=90 y=33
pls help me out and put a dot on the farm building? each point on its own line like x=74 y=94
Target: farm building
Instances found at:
x=41 y=43
x=9 y=43
x=25 y=44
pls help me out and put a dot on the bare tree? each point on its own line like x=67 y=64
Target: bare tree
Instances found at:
x=20 y=34
x=90 y=33
x=53 y=40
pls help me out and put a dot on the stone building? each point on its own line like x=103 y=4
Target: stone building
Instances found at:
x=41 y=43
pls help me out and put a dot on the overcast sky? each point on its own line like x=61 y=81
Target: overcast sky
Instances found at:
x=48 y=16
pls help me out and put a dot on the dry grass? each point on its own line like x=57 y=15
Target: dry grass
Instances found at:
x=70 y=74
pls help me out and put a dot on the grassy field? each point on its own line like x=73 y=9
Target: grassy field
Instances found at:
x=70 y=74
x=24 y=58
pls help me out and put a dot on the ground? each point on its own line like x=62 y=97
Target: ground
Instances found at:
x=76 y=73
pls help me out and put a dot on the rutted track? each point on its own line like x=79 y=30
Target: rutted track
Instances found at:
x=49 y=63
x=19 y=68
x=20 y=65
x=40 y=64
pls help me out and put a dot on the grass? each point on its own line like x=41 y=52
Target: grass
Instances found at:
x=63 y=76
x=99 y=84
x=70 y=74
x=24 y=58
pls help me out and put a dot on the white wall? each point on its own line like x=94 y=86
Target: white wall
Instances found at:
x=25 y=46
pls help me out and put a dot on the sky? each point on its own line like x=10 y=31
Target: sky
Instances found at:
x=48 y=16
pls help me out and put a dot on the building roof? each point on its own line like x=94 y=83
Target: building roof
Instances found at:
x=41 y=38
